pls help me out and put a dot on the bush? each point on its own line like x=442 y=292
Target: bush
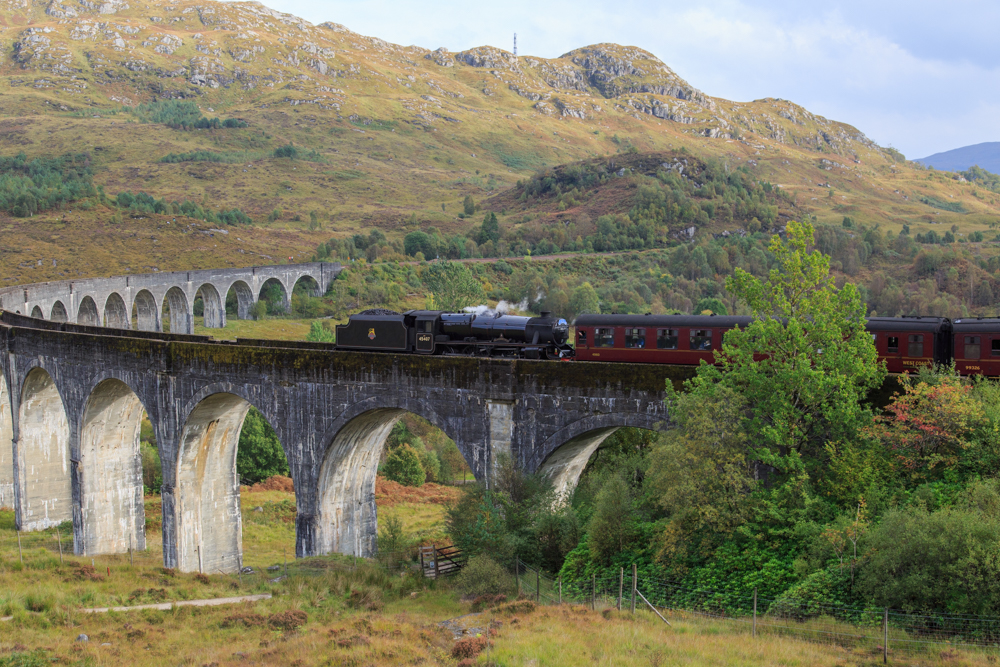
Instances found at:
x=483 y=576
x=392 y=538
x=431 y=464
x=945 y=561
x=403 y=465
x=258 y=311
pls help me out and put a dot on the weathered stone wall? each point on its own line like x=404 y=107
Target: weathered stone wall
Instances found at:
x=83 y=389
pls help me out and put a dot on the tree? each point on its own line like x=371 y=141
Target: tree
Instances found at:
x=259 y=454
x=453 y=286
x=468 y=205
x=415 y=242
x=711 y=304
x=318 y=333
x=610 y=528
x=403 y=465
x=490 y=230
x=585 y=300
x=804 y=365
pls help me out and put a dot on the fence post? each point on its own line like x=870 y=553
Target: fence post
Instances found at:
x=538 y=588
x=885 y=636
x=560 y=590
x=755 y=612
x=19 y=554
x=423 y=571
x=593 y=592
x=621 y=586
x=59 y=540
x=635 y=584
x=437 y=569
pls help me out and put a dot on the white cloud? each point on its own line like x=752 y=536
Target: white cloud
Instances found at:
x=921 y=77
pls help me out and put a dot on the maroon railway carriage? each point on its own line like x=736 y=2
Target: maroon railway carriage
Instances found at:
x=652 y=339
x=977 y=346
x=907 y=343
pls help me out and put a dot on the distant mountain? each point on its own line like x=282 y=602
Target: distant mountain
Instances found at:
x=985 y=155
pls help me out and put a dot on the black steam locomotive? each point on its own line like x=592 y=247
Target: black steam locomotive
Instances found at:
x=465 y=334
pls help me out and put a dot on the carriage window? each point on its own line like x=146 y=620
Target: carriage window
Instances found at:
x=916 y=346
x=972 y=347
x=635 y=338
x=701 y=339
x=893 y=346
x=666 y=339
x=426 y=326
x=581 y=337
x=604 y=337
x=995 y=347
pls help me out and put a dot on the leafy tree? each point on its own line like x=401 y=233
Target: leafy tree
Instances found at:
x=712 y=304
x=468 y=205
x=415 y=242
x=805 y=364
x=490 y=230
x=699 y=472
x=403 y=465
x=453 y=286
x=611 y=527
x=585 y=300
x=259 y=454
x=318 y=333
x=929 y=427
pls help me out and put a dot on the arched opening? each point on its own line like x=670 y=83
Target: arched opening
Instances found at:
x=213 y=310
x=36 y=312
x=88 y=314
x=6 y=447
x=306 y=285
x=226 y=442
x=306 y=300
x=568 y=462
x=347 y=513
x=111 y=484
x=43 y=446
x=275 y=297
x=59 y=312
x=116 y=315
x=175 y=315
x=145 y=314
x=239 y=300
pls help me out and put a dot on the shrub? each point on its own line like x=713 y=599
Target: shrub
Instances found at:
x=468 y=647
x=483 y=576
x=287 y=620
x=403 y=466
x=934 y=561
x=258 y=311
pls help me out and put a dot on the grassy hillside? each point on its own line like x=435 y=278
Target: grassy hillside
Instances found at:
x=385 y=137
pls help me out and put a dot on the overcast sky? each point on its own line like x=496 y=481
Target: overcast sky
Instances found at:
x=920 y=75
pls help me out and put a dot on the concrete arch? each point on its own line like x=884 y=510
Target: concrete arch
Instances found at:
x=43 y=453
x=147 y=313
x=6 y=447
x=347 y=520
x=208 y=518
x=286 y=297
x=58 y=313
x=181 y=320
x=214 y=306
x=116 y=314
x=36 y=312
x=88 y=313
x=568 y=449
x=112 y=515
x=244 y=298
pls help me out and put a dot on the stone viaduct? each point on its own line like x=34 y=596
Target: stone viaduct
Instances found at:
x=72 y=397
x=116 y=302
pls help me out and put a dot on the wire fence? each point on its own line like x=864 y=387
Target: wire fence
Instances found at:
x=875 y=630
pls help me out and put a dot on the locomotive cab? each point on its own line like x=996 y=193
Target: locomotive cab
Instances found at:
x=424 y=326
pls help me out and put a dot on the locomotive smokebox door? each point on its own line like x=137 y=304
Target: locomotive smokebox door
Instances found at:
x=373 y=332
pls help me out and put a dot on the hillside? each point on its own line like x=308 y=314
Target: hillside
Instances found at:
x=985 y=155
x=387 y=137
